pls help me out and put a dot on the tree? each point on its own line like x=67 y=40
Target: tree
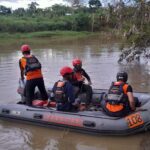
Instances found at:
x=60 y=10
x=4 y=10
x=32 y=8
x=19 y=12
x=138 y=33
x=94 y=4
x=81 y=22
x=75 y=3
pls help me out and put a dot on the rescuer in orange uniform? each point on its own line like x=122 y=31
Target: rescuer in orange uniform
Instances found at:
x=31 y=68
x=64 y=91
x=119 y=100
x=79 y=80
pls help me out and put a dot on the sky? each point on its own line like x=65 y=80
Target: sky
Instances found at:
x=24 y=3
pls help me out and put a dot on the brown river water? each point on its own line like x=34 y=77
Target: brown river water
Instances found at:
x=99 y=56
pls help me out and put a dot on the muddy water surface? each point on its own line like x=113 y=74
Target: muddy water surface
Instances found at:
x=99 y=58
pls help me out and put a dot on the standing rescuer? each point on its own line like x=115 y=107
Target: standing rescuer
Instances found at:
x=119 y=100
x=31 y=68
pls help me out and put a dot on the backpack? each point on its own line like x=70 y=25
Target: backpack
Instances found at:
x=32 y=64
x=116 y=94
x=59 y=94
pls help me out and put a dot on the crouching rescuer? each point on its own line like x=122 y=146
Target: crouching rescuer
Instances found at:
x=119 y=100
x=31 y=68
x=64 y=91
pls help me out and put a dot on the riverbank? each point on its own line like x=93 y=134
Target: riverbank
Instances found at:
x=40 y=39
x=45 y=34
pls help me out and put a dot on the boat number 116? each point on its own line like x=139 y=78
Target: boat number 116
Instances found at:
x=134 y=120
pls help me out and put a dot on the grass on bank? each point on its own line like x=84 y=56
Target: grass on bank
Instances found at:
x=51 y=34
x=9 y=40
x=44 y=38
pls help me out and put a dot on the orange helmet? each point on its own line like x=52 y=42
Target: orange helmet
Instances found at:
x=65 y=70
x=25 y=48
x=76 y=62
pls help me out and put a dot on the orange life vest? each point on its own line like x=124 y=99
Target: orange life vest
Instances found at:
x=30 y=74
x=117 y=97
x=79 y=76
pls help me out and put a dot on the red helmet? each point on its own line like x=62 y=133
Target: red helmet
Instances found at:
x=65 y=70
x=76 y=62
x=25 y=48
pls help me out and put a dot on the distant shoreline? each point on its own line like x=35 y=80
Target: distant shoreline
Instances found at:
x=53 y=34
x=42 y=34
x=9 y=40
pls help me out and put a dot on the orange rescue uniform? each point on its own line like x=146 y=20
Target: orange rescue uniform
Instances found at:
x=117 y=107
x=31 y=74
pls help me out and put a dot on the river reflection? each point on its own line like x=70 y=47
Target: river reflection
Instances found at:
x=99 y=58
x=28 y=137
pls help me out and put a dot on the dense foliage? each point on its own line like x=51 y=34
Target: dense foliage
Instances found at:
x=82 y=18
x=129 y=18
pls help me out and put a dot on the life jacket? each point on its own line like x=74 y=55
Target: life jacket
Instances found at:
x=117 y=98
x=31 y=67
x=32 y=64
x=59 y=94
x=78 y=75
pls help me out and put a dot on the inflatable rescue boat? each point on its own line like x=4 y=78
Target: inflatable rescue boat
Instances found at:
x=91 y=121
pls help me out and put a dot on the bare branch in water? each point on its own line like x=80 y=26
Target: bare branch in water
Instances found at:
x=135 y=52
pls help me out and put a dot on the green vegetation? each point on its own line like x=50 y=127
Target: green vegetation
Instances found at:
x=130 y=19
x=95 y=18
x=53 y=34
